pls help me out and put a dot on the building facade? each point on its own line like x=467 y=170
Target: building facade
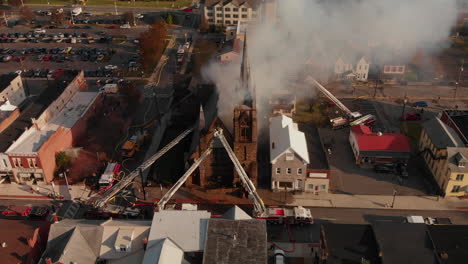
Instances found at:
x=227 y=13
x=371 y=147
x=11 y=89
x=445 y=156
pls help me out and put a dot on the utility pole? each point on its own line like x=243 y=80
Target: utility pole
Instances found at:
x=134 y=21
x=459 y=77
x=22 y=3
x=115 y=7
x=404 y=106
x=6 y=21
x=394 y=196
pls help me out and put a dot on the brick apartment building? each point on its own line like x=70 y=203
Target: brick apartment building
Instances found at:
x=12 y=95
x=32 y=155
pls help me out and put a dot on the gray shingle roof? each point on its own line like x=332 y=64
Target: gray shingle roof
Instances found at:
x=441 y=135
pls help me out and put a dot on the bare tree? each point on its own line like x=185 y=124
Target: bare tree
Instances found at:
x=152 y=44
x=129 y=17
x=57 y=17
x=15 y=3
x=26 y=14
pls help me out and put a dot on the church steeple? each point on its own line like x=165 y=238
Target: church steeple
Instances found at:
x=245 y=85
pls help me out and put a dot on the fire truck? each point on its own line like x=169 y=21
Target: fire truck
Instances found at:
x=107 y=178
x=351 y=119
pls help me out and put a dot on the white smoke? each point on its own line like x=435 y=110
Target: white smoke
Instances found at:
x=317 y=32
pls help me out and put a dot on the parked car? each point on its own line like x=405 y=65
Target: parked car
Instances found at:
x=39 y=30
x=125 y=26
x=420 y=104
x=7 y=58
x=411 y=117
x=110 y=67
x=140 y=16
x=383 y=168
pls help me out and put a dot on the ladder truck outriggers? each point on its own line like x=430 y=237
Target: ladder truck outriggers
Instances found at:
x=274 y=214
x=352 y=119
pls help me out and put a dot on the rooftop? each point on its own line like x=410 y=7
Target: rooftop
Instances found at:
x=454 y=155
x=346 y=243
x=460 y=118
x=441 y=135
x=235 y=241
x=32 y=139
x=34 y=110
x=402 y=243
x=285 y=136
x=249 y=3
x=317 y=156
x=372 y=141
x=190 y=238
x=450 y=242
x=15 y=234
x=5 y=80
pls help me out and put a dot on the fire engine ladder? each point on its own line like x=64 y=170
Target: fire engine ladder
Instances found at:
x=333 y=98
x=145 y=165
x=259 y=206
x=361 y=120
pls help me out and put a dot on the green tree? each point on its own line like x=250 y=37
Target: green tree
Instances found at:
x=63 y=161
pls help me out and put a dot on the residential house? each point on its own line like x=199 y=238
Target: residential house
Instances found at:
x=22 y=241
x=376 y=147
x=12 y=95
x=97 y=241
x=343 y=65
x=232 y=241
x=362 y=69
x=445 y=155
x=394 y=69
x=288 y=155
x=230 y=12
x=231 y=51
x=283 y=102
x=57 y=91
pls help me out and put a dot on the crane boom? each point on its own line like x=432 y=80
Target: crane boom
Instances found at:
x=145 y=165
x=248 y=184
x=333 y=98
x=160 y=205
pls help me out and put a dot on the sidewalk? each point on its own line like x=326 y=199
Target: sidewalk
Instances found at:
x=17 y=191
x=185 y=195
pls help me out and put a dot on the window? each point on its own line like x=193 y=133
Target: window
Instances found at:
x=323 y=186
x=273 y=145
x=235 y=16
x=460 y=177
x=30 y=163
x=227 y=16
x=17 y=162
x=228 y=21
x=310 y=186
x=400 y=69
x=235 y=9
x=456 y=188
x=393 y=69
x=219 y=15
x=234 y=22
x=285 y=185
x=278 y=170
x=289 y=156
x=210 y=14
x=211 y=20
x=244 y=16
x=219 y=21
x=364 y=76
x=209 y=8
x=227 y=9
x=123 y=249
x=299 y=171
x=288 y=170
x=244 y=9
x=219 y=9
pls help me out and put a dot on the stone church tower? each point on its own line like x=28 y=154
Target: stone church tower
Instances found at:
x=245 y=122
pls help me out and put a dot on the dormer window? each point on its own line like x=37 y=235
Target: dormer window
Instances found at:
x=461 y=164
x=289 y=156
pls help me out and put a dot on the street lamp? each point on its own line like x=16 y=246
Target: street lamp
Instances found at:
x=404 y=106
x=394 y=196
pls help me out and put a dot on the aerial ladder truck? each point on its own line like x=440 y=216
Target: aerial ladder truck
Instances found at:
x=352 y=119
x=296 y=215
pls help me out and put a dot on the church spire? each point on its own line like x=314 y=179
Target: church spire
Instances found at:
x=245 y=82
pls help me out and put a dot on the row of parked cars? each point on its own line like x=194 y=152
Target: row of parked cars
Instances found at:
x=399 y=169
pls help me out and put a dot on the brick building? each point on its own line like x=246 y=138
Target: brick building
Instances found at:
x=217 y=168
x=12 y=95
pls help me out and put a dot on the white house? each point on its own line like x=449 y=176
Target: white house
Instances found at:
x=354 y=69
x=226 y=13
x=362 y=69
x=343 y=65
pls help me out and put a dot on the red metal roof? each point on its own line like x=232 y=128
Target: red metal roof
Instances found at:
x=371 y=141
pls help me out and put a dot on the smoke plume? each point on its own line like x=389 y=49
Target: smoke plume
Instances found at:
x=311 y=34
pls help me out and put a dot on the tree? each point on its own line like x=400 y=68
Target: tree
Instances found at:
x=26 y=14
x=57 y=17
x=63 y=161
x=133 y=95
x=128 y=16
x=15 y=3
x=152 y=44
x=169 y=19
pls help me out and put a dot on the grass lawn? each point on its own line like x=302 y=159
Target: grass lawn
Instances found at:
x=153 y=4
x=304 y=115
